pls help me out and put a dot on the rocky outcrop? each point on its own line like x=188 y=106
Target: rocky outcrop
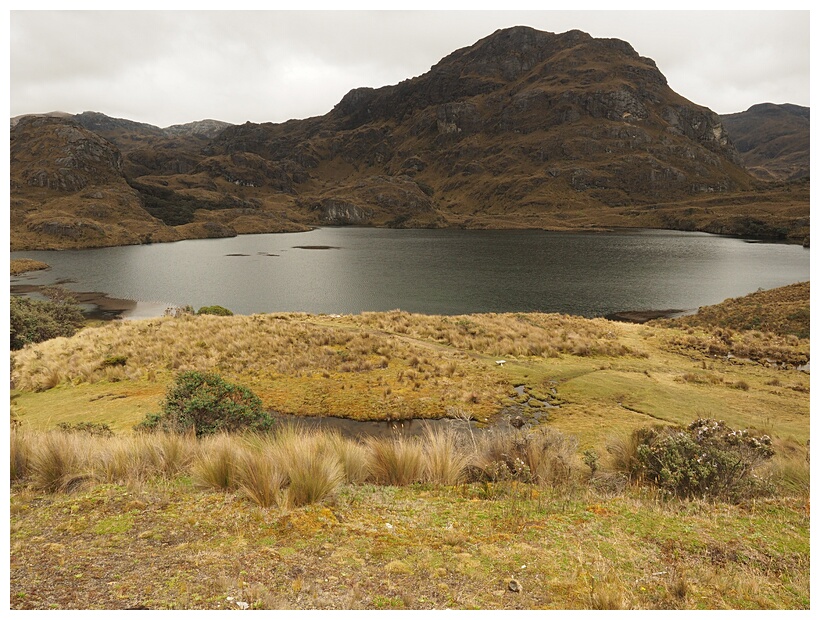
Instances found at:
x=76 y=157
x=339 y=212
x=207 y=128
x=522 y=128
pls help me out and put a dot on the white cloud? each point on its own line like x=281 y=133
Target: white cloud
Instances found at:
x=165 y=67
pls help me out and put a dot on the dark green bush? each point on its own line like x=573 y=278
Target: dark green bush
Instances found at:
x=98 y=429
x=115 y=360
x=207 y=404
x=34 y=321
x=217 y=310
x=707 y=459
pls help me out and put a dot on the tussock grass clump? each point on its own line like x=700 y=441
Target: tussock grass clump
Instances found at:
x=216 y=462
x=352 y=456
x=58 y=462
x=119 y=461
x=172 y=453
x=261 y=478
x=446 y=456
x=552 y=457
x=310 y=463
x=790 y=468
x=396 y=461
x=20 y=452
x=138 y=458
x=543 y=456
x=623 y=452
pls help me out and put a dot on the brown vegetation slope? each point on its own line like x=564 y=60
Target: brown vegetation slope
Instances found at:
x=783 y=311
x=773 y=140
x=522 y=129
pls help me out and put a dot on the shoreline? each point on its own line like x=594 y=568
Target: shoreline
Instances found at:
x=602 y=228
x=112 y=308
x=644 y=316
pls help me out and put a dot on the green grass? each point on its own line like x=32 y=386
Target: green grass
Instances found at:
x=226 y=521
x=447 y=548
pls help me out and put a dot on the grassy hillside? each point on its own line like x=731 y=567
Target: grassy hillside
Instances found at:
x=785 y=311
x=603 y=375
x=154 y=521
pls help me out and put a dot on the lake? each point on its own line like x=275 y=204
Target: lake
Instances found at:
x=351 y=270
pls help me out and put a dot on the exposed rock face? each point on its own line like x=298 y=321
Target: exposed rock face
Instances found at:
x=68 y=189
x=522 y=129
x=337 y=212
x=522 y=107
x=773 y=140
x=77 y=157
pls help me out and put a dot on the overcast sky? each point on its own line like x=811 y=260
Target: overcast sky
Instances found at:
x=168 y=67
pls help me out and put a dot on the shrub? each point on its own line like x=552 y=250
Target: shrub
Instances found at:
x=99 y=429
x=208 y=404
x=114 y=360
x=707 y=459
x=34 y=321
x=217 y=310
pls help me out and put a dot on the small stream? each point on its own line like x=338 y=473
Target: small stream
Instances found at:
x=361 y=429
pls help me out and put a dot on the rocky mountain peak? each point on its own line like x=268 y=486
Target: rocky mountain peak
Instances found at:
x=522 y=128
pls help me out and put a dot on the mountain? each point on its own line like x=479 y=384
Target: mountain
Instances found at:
x=70 y=189
x=773 y=140
x=522 y=129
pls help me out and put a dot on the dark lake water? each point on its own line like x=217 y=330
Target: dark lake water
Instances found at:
x=350 y=270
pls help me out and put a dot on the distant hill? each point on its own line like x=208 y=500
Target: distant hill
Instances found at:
x=522 y=129
x=773 y=140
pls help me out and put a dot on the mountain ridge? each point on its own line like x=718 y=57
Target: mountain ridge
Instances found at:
x=773 y=140
x=521 y=129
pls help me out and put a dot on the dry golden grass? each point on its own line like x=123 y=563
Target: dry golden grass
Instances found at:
x=447 y=456
x=604 y=376
x=525 y=335
x=783 y=311
x=295 y=364
x=395 y=461
x=22 y=265
x=251 y=504
x=261 y=478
